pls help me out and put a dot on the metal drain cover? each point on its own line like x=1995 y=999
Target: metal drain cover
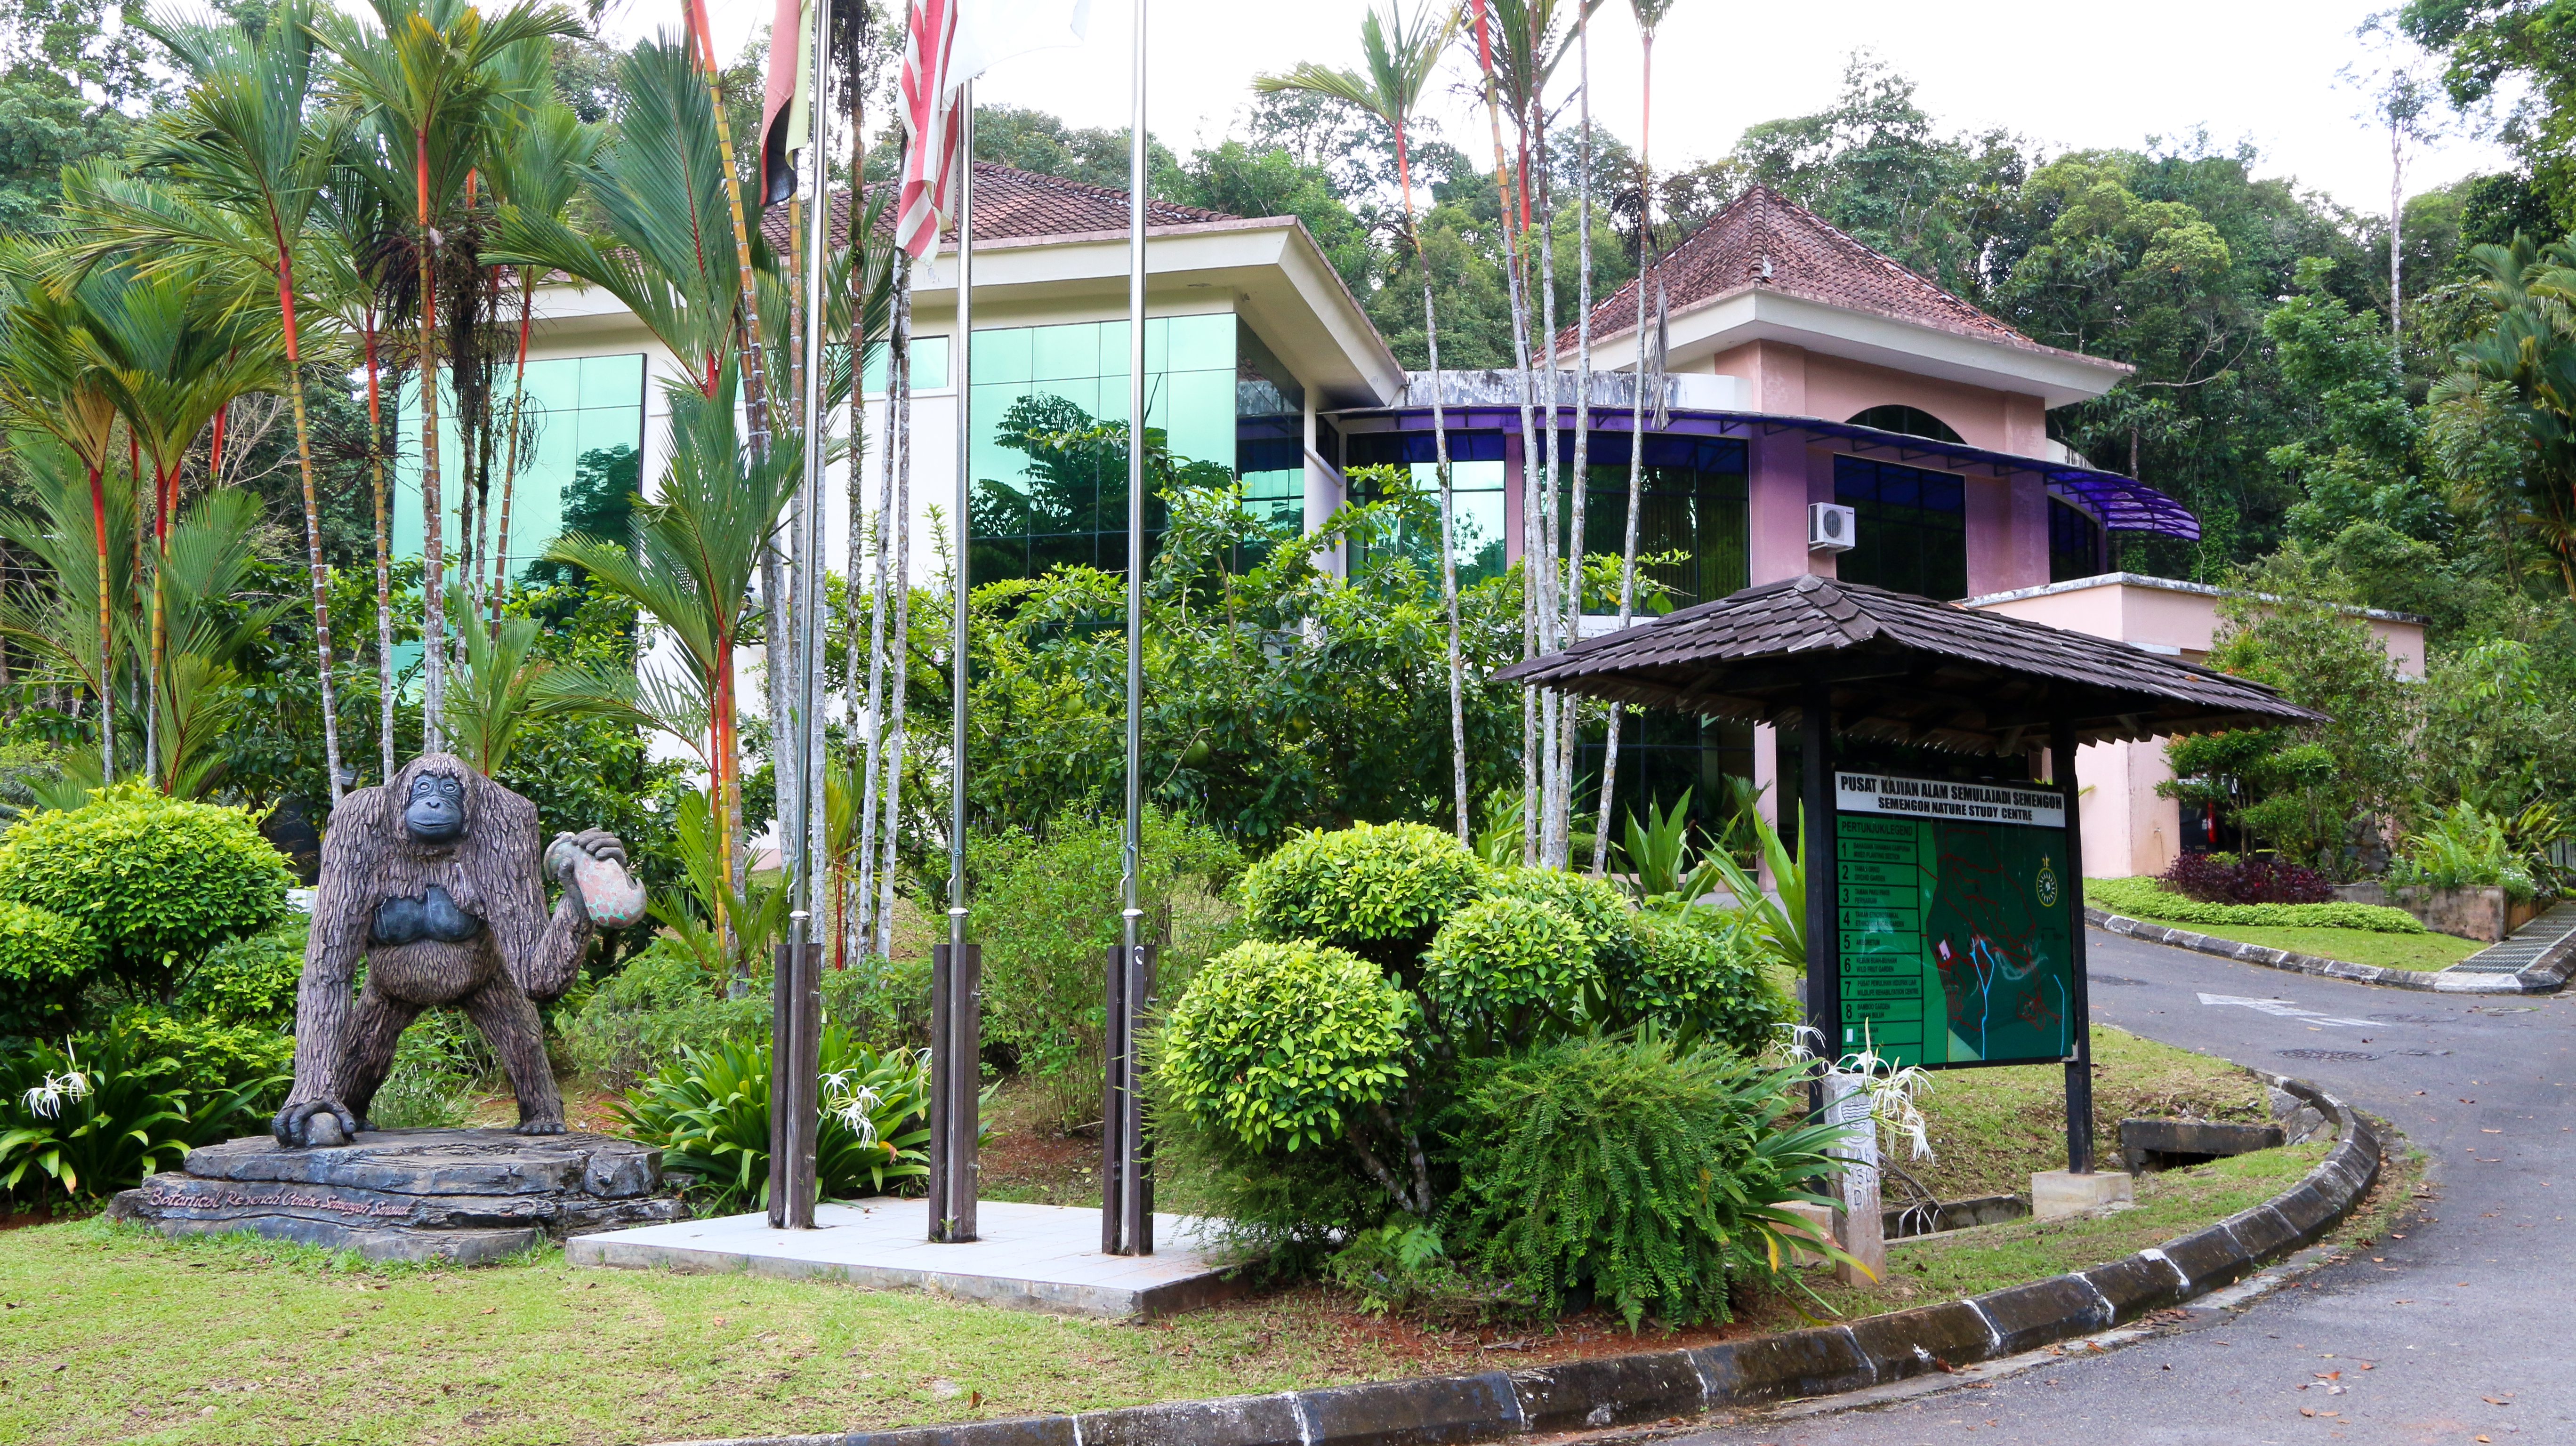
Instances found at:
x=2111 y=979
x=2333 y=1056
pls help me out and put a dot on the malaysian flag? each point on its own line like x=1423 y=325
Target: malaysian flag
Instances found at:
x=947 y=43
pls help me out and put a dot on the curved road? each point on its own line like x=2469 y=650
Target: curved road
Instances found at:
x=2459 y=1332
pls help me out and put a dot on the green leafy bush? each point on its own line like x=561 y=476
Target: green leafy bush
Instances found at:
x=1377 y=889
x=1649 y=1176
x=2144 y=898
x=95 y=1118
x=431 y=1084
x=1506 y=971
x=45 y=958
x=211 y=1056
x=708 y=1112
x=1700 y=977
x=2464 y=848
x=159 y=880
x=1277 y=1044
x=251 y=980
x=641 y=1017
x=1047 y=908
x=1404 y=1266
x=1595 y=904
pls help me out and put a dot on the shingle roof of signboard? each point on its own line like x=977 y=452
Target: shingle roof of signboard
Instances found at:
x=1903 y=668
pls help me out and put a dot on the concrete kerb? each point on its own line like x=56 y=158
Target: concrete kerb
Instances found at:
x=1889 y=1352
x=2545 y=976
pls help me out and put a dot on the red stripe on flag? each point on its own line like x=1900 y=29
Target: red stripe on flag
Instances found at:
x=930 y=116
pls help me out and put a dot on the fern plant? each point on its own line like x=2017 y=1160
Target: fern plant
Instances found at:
x=708 y=1112
x=1652 y=1177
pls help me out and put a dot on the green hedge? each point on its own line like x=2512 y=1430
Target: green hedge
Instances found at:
x=1275 y=1043
x=1380 y=889
x=44 y=960
x=2144 y=898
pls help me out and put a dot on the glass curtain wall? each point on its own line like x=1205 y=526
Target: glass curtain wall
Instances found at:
x=1051 y=482
x=581 y=438
x=1477 y=498
x=2074 y=543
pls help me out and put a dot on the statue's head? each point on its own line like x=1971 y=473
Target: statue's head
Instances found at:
x=433 y=792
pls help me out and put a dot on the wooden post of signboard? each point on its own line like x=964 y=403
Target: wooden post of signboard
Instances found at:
x=2079 y=1013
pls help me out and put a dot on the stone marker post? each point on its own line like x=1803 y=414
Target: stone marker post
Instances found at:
x=1861 y=1228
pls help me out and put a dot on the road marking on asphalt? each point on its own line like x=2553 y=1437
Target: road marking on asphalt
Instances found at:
x=2284 y=1009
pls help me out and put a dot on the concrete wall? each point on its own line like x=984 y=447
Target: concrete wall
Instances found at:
x=2128 y=829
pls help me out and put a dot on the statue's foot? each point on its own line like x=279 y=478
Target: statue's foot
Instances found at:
x=539 y=1127
x=314 y=1123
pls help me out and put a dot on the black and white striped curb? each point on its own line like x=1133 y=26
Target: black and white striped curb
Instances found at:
x=2544 y=975
x=1657 y=1385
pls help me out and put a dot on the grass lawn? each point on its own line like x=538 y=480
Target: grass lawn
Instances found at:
x=118 y=1335
x=2352 y=946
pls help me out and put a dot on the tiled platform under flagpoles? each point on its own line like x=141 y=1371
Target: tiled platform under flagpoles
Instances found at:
x=1037 y=1257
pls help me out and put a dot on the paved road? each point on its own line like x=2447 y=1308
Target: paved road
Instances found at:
x=2477 y=1301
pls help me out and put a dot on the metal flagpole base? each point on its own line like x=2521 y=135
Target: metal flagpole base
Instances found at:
x=1126 y=1150
x=795 y=1092
x=956 y=1040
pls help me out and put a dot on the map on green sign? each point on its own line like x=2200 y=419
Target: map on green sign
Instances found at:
x=1956 y=921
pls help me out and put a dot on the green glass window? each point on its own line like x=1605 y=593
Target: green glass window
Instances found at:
x=1910 y=526
x=1478 y=500
x=581 y=435
x=2074 y=543
x=1912 y=421
x=929 y=366
x=1045 y=497
x=1662 y=755
x=1691 y=510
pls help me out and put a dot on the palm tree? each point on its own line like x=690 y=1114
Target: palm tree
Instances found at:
x=245 y=141
x=172 y=348
x=431 y=70
x=1399 y=69
x=536 y=174
x=696 y=548
x=658 y=192
x=50 y=382
x=1650 y=14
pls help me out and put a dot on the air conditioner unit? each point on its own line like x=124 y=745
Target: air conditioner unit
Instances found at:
x=1831 y=527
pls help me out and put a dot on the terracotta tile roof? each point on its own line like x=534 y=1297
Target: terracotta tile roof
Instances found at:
x=1763 y=239
x=1017 y=205
x=1905 y=668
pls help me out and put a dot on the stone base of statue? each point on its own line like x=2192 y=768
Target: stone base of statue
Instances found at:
x=464 y=1196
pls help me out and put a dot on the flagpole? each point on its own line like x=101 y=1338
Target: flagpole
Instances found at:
x=1127 y=1204
x=953 y=1203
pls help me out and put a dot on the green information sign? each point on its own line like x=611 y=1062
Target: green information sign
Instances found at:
x=1956 y=921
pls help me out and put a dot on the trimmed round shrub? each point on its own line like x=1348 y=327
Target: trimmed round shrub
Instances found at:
x=1381 y=889
x=1505 y=969
x=1701 y=984
x=1275 y=1043
x=1595 y=904
x=159 y=880
x=44 y=960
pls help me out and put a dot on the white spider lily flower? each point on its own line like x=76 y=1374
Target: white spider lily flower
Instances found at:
x=45 y=1101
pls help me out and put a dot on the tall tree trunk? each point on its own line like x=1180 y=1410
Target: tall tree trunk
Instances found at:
x=899 y=403
x=160 y=525
x=106 y=630
x=433 y=545
x=1579 y=484
x=312 y=518
x=384 y=560
x=1529 y=509
x=1448 y=499
x=1552 y=710
x=510 y=466
x=1636 y=441
x=878 y=603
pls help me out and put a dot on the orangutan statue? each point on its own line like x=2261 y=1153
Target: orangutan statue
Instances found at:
x=437 y=881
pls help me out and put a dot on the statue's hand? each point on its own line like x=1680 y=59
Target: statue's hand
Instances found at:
x=314 y=1122
x=599 y=843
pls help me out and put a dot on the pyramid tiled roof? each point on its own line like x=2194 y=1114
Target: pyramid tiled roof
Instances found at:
x=1016 y=205
x=1763 y=239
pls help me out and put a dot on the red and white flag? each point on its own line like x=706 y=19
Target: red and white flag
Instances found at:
x=947 y=43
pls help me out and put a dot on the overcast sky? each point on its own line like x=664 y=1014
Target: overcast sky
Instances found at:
x=2064 y=75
